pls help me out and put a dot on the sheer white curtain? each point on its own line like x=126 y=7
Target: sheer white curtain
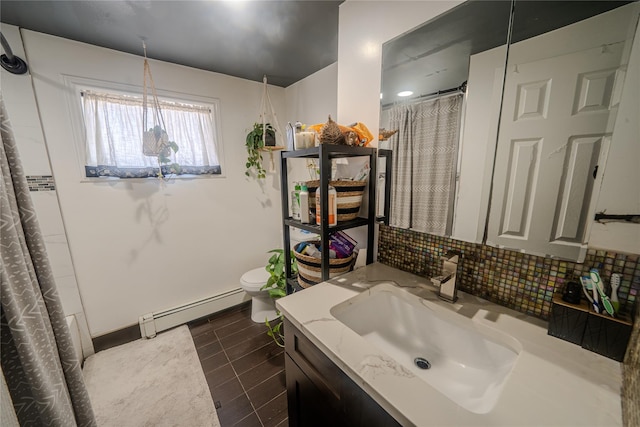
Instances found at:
x=113 y=130
x=425 y=152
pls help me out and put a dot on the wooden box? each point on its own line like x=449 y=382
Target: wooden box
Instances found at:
x=568 y=321
x=600 y=333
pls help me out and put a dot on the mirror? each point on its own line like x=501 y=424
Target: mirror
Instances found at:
x=436 y=63
x=537 y=199
x=564 y=88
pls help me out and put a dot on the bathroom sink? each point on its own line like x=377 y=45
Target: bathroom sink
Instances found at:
x=466 y=361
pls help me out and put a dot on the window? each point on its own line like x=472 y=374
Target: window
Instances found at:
x=113 y=136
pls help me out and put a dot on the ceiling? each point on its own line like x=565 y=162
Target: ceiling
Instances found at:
x=284 y=40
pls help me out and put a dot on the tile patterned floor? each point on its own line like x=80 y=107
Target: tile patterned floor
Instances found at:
x=244 y=369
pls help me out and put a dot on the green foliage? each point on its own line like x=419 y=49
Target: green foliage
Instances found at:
x=277 y=283
x=165 y=153
x=277 y=287
x=275 y=331
x=254 y=143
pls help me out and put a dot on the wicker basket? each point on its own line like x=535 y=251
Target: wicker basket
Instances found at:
x=310 y=268
x=349 y=197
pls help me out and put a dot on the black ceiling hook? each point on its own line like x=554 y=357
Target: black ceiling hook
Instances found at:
x=9 y=61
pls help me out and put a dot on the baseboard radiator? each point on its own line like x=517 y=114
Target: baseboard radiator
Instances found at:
x=152 y=323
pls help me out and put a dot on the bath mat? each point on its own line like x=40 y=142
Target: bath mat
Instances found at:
x=150 y=382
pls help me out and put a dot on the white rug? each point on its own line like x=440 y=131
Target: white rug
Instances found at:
x=150 y=382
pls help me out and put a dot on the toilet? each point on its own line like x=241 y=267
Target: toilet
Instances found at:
x=262 y=305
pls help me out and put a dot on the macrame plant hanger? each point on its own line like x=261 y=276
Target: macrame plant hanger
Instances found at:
x=155 y=139
x=266 y=102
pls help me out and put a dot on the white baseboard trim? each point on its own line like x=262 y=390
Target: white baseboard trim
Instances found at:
x=152 y=323
x=72 y=324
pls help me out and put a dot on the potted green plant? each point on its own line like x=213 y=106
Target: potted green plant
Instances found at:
x=255 y=143
x=277 y=287
x=156 y=144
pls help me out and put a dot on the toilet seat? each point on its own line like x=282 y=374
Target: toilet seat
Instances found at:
x=255 y=279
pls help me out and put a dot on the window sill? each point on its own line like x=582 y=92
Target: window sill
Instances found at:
x=114 y=179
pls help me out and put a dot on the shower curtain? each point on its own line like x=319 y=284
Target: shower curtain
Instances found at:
x=425 y=153
x=39 y=366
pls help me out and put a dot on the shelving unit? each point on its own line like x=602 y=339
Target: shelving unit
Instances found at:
x=325 y=153
x=388 y=156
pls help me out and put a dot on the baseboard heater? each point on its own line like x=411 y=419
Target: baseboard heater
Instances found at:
x=152 y=323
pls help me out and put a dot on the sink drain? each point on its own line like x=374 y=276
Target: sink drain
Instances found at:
x=422 y=363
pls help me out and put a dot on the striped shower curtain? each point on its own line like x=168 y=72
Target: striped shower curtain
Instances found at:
x=425 y=154
x=42 y=374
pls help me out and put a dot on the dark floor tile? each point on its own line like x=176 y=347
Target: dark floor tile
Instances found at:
x=220 y=375
x=199 y=327
x=205 y=339
x=214 y=362
x=209 y=349
x=235 y=410
x=226 y=392
x=267 y=390
x=274 y=412
x=263 y=371
x=250 y=420
x=231 y=328
x=231 y=317
x=257 y=340
x=223 y=317
x=256 y=357
x=232 y=335
x=242 y=335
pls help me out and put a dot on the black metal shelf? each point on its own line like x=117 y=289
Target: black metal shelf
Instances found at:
x=314 y=228
x=293 y=285
x=324 y=153
x=333 y=151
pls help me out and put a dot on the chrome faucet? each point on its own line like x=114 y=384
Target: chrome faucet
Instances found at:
x=446 y=283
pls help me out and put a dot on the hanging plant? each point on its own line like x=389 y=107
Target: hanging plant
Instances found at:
x=256 y=140
x=156 y=144
x=155 y=141
x=262 y=135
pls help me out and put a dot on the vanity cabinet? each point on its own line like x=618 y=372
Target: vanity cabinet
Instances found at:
x=325 y=153
x=320 y=394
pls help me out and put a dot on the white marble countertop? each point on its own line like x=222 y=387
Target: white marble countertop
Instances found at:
x=553 y=383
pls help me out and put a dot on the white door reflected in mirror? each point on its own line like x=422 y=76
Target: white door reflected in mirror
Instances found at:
x=559 y=108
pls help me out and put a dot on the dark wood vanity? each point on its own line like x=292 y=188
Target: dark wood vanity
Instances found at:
x=321 y=394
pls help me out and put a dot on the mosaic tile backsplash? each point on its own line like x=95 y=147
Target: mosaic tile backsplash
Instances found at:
x=523 y=282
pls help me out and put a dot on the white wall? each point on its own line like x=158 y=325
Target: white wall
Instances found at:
x=364 y=26
x=620 y=191
x=310 y=101
x=144 y=245
x=20 y=102
x=478 y=143
x=313 y=98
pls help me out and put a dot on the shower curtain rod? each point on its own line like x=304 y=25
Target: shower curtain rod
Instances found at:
x=462 y=88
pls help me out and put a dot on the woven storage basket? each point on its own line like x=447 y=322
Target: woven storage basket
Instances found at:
x=310 y=268
x=349 y=197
